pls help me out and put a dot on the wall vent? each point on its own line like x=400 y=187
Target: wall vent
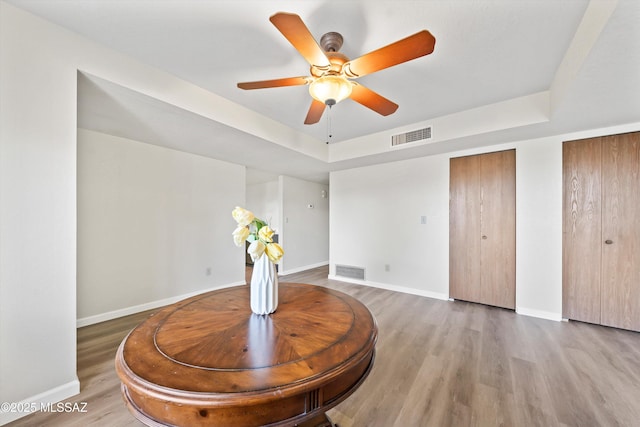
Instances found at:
x=413 y=136
x=350 y=272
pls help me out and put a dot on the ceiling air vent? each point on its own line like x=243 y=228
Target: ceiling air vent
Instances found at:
x=413 y=136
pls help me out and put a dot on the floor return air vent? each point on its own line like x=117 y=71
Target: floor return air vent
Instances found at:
x=350 y=272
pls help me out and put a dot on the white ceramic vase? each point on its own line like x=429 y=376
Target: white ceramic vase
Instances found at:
x=264 y=286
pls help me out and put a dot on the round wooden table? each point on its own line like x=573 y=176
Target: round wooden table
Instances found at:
x=209 y=361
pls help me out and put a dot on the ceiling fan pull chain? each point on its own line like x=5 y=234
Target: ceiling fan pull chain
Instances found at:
x=329 y=135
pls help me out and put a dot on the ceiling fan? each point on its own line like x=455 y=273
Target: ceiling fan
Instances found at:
x=331 y=71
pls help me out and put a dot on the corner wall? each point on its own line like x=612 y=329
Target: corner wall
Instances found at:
x=305 y=224
x=154 y=225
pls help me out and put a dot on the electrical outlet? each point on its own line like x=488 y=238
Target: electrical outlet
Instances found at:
x=208 y=271
x=387 y=267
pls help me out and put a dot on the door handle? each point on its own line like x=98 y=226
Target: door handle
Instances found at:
x=484 y=237
x=608 y=241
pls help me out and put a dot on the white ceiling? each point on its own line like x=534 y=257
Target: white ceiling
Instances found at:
x=486 y=51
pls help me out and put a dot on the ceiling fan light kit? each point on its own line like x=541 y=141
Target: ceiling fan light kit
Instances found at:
x=330 y=89
x=331 y=70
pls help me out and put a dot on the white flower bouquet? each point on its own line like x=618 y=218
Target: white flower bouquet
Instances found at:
x=257 y=232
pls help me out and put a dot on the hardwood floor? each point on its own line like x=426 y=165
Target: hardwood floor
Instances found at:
x=438 y=363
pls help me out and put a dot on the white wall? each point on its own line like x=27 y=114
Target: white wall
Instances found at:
x=305 y=230
x=39 y=63
x=539 y=227
x=263 y=199
x=154 y=225
x=376 y=221
x=376 y=211
x=37 y=214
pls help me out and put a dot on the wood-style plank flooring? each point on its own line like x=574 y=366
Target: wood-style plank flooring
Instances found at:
x=438 y=363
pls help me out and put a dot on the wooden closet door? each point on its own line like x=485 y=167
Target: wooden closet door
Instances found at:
x=482 y=229
x=498 y=229
x=464 y=228
x=582 y=230
x=621 y=231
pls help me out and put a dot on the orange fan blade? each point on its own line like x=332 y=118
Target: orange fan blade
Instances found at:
x=263 y=84
x=372 y=100
x=412 y=47
x=292 y=27
x=315 y=112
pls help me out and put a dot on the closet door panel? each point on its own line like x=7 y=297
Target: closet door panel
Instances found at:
x=464 y=229
x=582 y=230
x=498 y=229
x=621 y=231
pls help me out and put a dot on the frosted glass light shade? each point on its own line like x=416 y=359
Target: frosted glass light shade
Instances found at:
x=330 y=89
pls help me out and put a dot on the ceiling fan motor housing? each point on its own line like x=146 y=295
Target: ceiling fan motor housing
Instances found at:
x=331 y=42
x=336 y=59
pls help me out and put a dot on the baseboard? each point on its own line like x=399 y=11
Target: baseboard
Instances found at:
x=54 y=395
x=548 y=315
x=395 y=288
x=303 y=268
x=103 y=317
x=346 y=279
